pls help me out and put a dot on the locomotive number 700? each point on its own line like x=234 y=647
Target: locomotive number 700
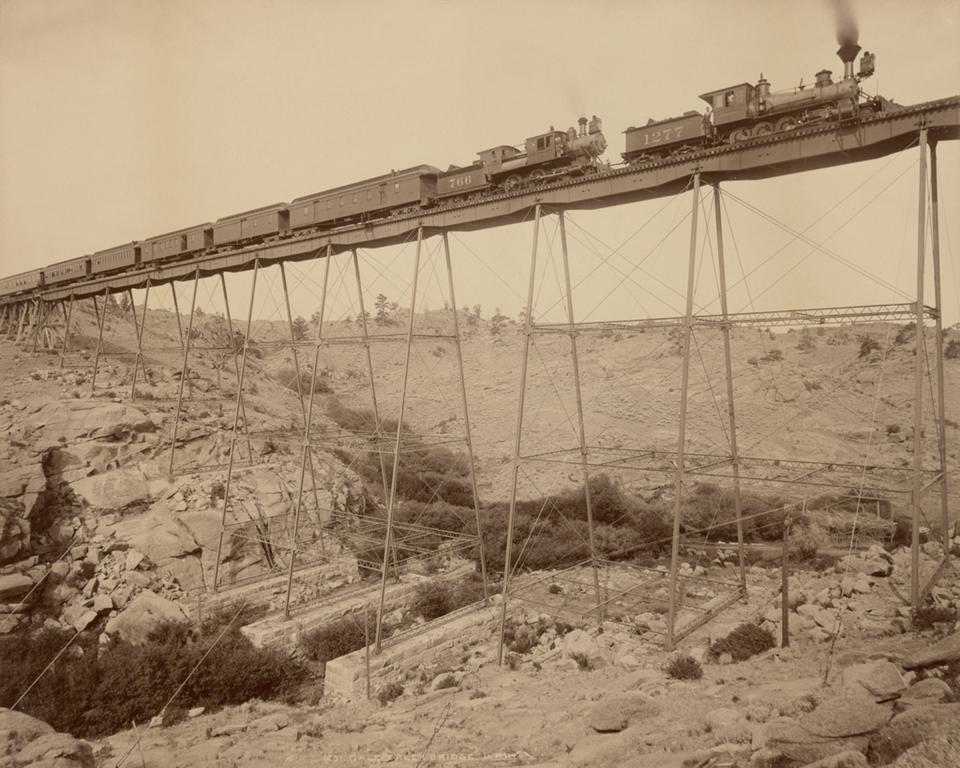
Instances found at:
x=664 y=134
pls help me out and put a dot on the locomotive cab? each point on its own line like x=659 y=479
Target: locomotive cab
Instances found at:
x=730 y=105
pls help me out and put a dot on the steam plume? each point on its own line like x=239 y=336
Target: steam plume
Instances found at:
x=847 y=32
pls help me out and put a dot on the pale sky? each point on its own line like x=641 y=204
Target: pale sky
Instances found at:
x=122 y=120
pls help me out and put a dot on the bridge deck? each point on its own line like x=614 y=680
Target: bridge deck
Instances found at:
x=777 y=155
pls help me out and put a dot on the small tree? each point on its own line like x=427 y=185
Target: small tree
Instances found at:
x=952 y=350
x=381 y=304
x=476 y=311
x=868 y=346
x=773 y=356
x=300 y=329
x=496 y=325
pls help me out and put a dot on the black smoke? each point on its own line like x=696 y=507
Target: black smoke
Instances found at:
x=847 y=32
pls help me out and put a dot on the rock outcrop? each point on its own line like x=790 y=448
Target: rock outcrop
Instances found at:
x=145 y=613
x=26 y=741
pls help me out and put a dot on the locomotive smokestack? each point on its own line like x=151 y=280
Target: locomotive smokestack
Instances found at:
x=847 y=54
x=847 y=35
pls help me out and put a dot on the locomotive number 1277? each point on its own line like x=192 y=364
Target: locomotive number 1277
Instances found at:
x=664 y=134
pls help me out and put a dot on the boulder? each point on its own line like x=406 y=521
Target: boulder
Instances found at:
x=929 y=691
x=937 y=752
x=26 y=482
x=915 y=726
x=14 y=587
x=846 y=715
x=870 y=563
x=144 y=613
x=31 y=742
x=113 y=489
x=269 y=723
x=881 y=679
x=18 y=729
x=133 y=559
x=615 y=713
x=790 y=739
x=56 y=750
x=824 y=618
x=942 y=652
x=102 y=603
x=66 y=420
x=78 y=616
x=723 y=718
x=157 y=535
x=578 y=643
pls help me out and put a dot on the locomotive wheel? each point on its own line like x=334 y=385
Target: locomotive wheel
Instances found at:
x=512 y=182
x=762 y=129
x=536 y=176
x=786 y=124
x=741 y=134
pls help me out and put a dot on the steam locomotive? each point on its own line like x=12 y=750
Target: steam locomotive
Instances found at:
x=741 y=112
x=733 y=115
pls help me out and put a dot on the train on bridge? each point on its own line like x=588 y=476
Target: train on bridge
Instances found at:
x=733 y=115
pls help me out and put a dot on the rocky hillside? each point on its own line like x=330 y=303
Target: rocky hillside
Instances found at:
x=100 y=541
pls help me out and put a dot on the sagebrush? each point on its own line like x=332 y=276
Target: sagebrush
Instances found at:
x=91 y=692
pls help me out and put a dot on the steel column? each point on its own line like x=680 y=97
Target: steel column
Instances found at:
x=918 y=379
x=176 y=311
x=101 y=322
x=731 y=410
x=466 y=416
x=378 y=431
x=138 y=328
x=511 y=515
x=236 y=419
x=293 y=340
x=305 y=452
x=184 y=369
x=296 y=368
x=392 y=500
x=68 y=313
x=373 y=390
x=938 y=306
x=682 y=436
x=584 y=458
x=236 y=365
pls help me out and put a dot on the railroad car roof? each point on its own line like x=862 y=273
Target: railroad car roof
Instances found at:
x=205 y=225
x=63 y=261
x=419 y=170
x=274 y=207
x=115 y=247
